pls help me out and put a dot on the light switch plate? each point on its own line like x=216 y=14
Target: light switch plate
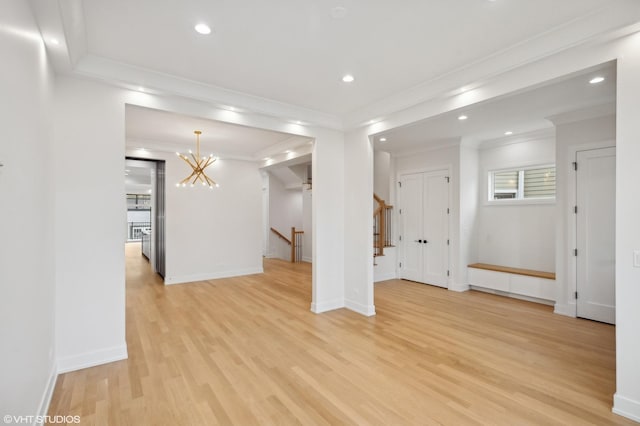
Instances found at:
x=636 y=258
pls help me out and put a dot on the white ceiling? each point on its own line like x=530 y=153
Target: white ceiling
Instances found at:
x=286 y=54
x=521 y=113
x=165 y=131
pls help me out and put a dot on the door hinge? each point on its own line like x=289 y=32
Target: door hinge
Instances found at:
x=447 y=273
x=575 y=294
x=575 y=165
x=400 y=211
x=447 y=178
x=447 y=242
x=575 y=209
x=447 y=211
x=400 y=237
x=401 y=264
x=575 y=252
x=400 y=184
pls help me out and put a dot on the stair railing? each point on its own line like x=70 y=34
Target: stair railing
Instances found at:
x=381 y=226
x=295 y=242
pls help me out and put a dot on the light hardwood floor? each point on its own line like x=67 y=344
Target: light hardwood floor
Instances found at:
x=248 y=351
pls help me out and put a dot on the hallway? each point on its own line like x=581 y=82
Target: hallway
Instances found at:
x=247 y=350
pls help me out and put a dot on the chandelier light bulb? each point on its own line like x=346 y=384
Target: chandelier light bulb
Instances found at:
x=198 y=165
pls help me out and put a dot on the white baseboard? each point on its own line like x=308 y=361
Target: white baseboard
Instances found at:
x=45 y=401
x=91 y=359
x=626 y=407
x=384 y=277
x=212 y=275
x=329 y=305
x=365 y=310
x=307 y=259
x=565 y=309
x=459 y=287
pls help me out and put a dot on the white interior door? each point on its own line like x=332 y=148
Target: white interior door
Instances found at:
x=411 y=193
x=596 y=201
x=436 y=228
x=424 y=200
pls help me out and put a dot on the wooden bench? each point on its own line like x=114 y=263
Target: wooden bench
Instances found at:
x=529 y=284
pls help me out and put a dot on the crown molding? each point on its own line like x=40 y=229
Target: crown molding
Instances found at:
x=597 y=26
x=548 y=133
x=596 y=111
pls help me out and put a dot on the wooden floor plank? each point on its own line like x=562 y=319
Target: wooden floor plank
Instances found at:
x=247 y=350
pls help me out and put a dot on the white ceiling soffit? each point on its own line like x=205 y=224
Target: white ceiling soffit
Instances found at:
x=285 y=58
x=166 y=131
x=526 y=112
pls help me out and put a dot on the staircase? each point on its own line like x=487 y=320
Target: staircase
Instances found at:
x=382 y=235
x=295 y=243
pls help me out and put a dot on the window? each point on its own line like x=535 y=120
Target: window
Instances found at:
x=523 y=184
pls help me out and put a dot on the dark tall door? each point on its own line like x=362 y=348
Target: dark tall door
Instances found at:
x=160 y=218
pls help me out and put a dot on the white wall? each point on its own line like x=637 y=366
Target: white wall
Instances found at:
x=90 y=302
x=469 y=204
x=285 y=211
x=27 y=287
x=381 y=172
x=212 y=233
x=439 y=159
x=516 y=235
x=307 y=208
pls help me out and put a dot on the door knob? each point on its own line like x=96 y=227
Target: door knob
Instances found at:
x=417 y=241
x=425 y=241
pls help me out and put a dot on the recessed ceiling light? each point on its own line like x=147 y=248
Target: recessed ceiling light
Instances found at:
x=203 y=29
x=596 y=80
x=288 y=151
x=462 y=117
x=383 y=139
x=266 y=159
x=348 y=78
x=54 y=41
x=508 y=133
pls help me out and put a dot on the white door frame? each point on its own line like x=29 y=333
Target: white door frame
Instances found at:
x=399 y=175
x=572 y=221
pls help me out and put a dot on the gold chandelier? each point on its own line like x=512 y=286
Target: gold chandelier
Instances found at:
x=198 y=165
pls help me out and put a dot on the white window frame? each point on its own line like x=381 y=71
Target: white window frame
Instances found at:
x=520 y=191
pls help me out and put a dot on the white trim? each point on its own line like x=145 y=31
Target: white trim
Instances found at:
x=329 y=305
x=545 y=134
x=459 y=287
x=568 y=309
x=384 y=277
x=115 y=73
x=626 y=407
x=91 y=359
x=307 y=259
x=43 y=408
x=184 y=279
x=519 y=201
x=360 y=308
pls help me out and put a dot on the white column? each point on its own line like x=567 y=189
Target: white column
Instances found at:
x=358 y=216
x=627 y=397
x=328 y=222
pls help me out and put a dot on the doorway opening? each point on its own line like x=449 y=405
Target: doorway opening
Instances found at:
x=145 y=192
